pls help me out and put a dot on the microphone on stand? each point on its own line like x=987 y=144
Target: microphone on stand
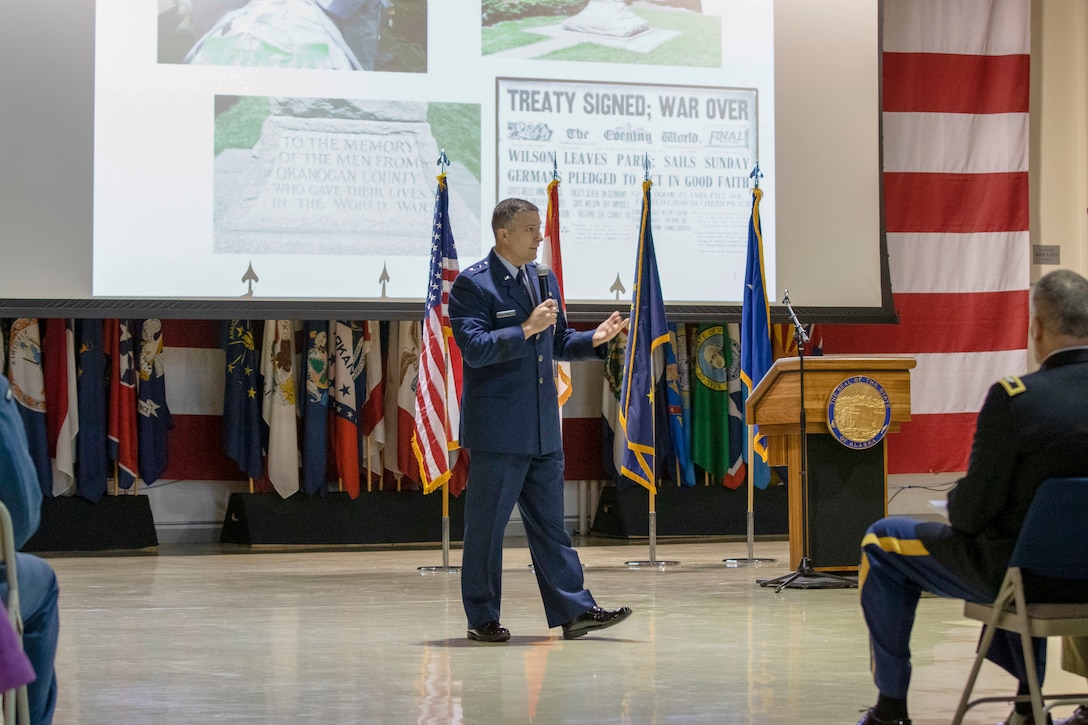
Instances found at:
x=542 y=278
x=801 y=334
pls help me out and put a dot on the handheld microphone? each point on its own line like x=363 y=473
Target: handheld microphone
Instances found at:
x=542 y=278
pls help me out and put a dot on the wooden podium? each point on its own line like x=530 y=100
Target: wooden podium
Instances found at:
x=847 y=483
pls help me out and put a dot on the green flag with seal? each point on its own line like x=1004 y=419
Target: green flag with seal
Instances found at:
x=710 y=363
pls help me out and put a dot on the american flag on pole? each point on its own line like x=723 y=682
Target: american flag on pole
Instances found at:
x=438 y=391
x=956 y=206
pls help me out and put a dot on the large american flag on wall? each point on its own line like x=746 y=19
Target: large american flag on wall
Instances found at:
x=955 y=84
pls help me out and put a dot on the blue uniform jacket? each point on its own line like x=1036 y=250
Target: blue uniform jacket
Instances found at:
x=508 y=402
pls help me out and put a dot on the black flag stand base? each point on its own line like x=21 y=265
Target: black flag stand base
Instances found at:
x=808 y=578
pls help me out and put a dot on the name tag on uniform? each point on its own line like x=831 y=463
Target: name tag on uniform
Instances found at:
x=505 y=313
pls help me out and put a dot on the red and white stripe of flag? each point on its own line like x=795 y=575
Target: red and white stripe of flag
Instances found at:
x=434 y=404
x=956 y=205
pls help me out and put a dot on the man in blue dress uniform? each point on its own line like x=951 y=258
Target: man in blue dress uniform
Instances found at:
x=510 y=424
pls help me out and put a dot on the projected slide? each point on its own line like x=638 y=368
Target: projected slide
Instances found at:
x=697 y=146
x=335 y=176
x=194 y=153
x=319 y=34
x=261 y=148
x=611 y=31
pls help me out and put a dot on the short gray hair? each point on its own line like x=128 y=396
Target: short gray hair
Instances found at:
x=507 y=209
x=1060 y=299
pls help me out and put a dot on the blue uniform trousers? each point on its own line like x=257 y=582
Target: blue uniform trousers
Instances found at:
x=895 y=569
x=38 y=594
x=496 y=481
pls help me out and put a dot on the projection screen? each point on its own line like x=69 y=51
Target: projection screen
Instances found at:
x=271 y=158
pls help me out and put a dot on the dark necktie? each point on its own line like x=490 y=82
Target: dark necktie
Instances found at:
x=523 y=278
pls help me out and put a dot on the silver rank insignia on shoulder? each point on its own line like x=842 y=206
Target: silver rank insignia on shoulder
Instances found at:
x=1013 y=385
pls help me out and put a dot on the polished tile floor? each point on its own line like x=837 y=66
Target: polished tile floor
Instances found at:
x=233 y=635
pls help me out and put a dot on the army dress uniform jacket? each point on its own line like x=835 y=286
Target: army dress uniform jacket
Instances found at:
x=1029 y=429
x=509 y=400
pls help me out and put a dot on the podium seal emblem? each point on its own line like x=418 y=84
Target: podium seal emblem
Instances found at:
x=859 y=412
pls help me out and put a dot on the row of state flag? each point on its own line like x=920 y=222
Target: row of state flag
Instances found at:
x=92 y=397
x=306 y=405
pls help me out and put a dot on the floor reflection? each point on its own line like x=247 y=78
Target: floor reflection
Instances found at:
x=360 y=636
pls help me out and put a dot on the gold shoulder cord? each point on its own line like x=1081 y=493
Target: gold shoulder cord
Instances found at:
x=1013 y=385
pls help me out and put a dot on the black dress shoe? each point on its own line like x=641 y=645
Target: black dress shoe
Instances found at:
x=870 y=719
x=595 y=618
x=489 y=632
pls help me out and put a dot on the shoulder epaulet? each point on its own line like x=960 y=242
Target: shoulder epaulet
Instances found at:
x=1013 y=385
x=478 y=266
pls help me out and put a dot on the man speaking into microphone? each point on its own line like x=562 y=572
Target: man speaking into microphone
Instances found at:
x=510 y=330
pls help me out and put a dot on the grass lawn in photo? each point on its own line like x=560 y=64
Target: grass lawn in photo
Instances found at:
x=697 y=44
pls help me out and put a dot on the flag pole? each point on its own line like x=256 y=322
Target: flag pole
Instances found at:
x=750 y=515
x=653 y=562
x=749 y=519
x=652 y=523
x=445 y=567
x=750 y=525
x=443 y=162
x=446 y=525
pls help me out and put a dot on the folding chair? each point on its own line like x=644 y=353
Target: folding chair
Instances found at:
x=15 y=701
x=1051 y=555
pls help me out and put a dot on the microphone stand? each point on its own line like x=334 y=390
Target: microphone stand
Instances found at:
x=812 y=579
